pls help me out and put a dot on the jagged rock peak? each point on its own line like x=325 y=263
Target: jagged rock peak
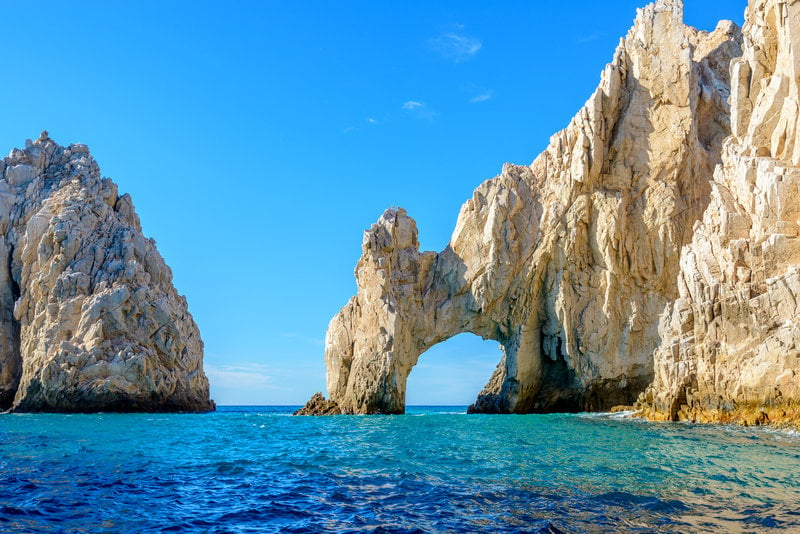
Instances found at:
x=89 y=318
x=568 y=262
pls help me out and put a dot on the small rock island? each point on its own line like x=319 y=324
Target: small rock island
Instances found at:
x=648 y=256
x=89 y=318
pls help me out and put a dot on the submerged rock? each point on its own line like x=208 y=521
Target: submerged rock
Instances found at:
x=567 y=263
x=89 y=318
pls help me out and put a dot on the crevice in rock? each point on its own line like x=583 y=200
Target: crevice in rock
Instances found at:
x=10 y=356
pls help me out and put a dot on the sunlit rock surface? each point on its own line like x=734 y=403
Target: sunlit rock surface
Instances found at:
x=730 y=348
x=569 y=262
x=89 y=318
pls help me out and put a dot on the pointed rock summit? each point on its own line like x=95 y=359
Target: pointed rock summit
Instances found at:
x=89 y=318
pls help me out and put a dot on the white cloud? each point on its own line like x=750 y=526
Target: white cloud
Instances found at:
x=420 y=110
x=411 y=105
x=483 y=97
x=455 y=46
x=350 y=129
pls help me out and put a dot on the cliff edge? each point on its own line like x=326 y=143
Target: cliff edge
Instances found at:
x=569 y=262
x=730 y=341
x=89 y=318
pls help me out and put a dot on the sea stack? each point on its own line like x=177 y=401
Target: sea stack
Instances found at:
x=89 y=318
x=568 y=262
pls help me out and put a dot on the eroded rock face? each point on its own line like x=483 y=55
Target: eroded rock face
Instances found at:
x=89 y=318
x=731 y=340
x=568 y=262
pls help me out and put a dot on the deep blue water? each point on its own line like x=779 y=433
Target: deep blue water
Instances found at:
x=256 y=469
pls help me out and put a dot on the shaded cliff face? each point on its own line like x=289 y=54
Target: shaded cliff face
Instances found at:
x=731 y=340
x=89 y=319
x=568 y=262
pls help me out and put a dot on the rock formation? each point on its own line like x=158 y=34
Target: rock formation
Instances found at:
x=89 y=318
x=319 y=405
x=730 y=347
x=567 y=263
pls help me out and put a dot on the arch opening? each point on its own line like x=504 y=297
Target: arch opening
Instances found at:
x=452 y=372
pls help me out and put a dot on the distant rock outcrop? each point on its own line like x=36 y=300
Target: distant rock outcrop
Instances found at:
x=89 y=318
x=567 y=263
x=319 y=405
x=730 y=342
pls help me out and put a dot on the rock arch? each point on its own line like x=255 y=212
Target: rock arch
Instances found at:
x=568 y=262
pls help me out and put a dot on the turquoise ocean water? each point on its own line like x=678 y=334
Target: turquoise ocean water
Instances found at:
x=436 y=469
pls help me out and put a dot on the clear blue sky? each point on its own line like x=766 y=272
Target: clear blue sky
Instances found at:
x=259 y=140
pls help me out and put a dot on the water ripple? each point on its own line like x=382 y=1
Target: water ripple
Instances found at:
x=445 y=472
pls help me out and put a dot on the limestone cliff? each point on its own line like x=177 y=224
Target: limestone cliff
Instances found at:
x=568 y=262
x=89 y=318
x=730 y=346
